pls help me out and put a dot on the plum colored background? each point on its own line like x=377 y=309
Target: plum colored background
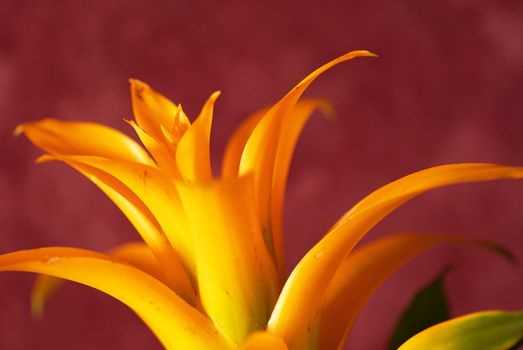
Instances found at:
x=447 y=88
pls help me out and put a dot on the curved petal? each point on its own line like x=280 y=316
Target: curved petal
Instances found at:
x=44 y=287
x=291 y=129
x=289 y=132
x=263 y=341
x=193 y=153
x=82 y=138
x=261 y=148
x=359 y=275
x=236 y=277
x=235 y=145
x=365 y=270
x=163 y=154
x=139 y=215
x=305 y=288
x=152 y=111
x=136 y=254
x=486 y=330
x=176 y=324
x=140 y=256
x=157 y=192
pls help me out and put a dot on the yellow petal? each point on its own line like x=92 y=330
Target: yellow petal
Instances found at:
x=157 y=191
x=137 y=254
x=163 y=154
x=82 y=138
x=43 y=288
x=140 y=256
x=290 y=131
x=152 y=110
x=263 y=341
x=193 y=153
x=235 y=145
x=305 y=288
x=236 y=277
x=173 y=134
x=260 y=150
x=361 y=274
x=138 y=214
x=176 y=324
x=487 y=330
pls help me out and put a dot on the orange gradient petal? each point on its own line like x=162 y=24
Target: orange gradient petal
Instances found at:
x=260 y=151
x=236 y=276
x=175 y=323
x=193 y=153
x=305 y=289
x=82 y=138
x=136 y=254
x=366 y=269
x=263 y=341
x=139 y=215
x=152 y=111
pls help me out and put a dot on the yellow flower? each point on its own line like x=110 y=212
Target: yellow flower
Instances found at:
x=210 y=273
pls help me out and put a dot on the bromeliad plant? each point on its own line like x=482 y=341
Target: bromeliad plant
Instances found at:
x=210 y=273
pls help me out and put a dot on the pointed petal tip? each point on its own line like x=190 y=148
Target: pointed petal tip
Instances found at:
x=37 y=308
x=328 y=110
x=137 y=82
x=137 y=87
x=44 y=159
x=214 y=95
x=365 y=53
x=356 y=53
x=23 y=128
x=132 y=123
x=19 y=130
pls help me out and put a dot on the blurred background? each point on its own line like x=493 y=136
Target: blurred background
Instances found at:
x=447 y=88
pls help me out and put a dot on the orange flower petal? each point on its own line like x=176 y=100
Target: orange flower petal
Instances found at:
x=236 y=144
x=82 y=138
x=44 y=287
x=263 y=341
x=157 y=191
x=138 y=214
x=361 y=274
x=291 y=129
x=193 y=153
x=176 y=324
x=163 y=154
x=259 y=154
x=136 y=254
x=305 y=288
x=152 y=111
x=236 y=277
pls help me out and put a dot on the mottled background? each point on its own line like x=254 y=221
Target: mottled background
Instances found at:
x=447 y=88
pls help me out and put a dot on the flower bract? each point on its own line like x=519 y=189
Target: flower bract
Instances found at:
x=209 y=271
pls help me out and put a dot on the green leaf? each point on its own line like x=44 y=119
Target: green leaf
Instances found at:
x=428 y=307
x=487 y=330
